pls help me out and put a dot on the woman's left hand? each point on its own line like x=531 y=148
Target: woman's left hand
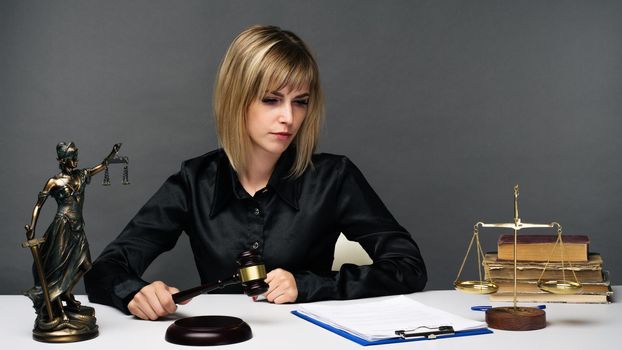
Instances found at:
x=282 y=287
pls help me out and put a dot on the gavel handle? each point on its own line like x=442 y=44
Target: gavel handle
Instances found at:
x=193 y=292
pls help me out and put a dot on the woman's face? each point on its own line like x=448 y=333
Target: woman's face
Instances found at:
x=273 y=121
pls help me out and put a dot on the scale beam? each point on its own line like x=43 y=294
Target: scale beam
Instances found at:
x=518 y=226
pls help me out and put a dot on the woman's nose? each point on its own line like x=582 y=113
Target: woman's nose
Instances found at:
x=286 y=115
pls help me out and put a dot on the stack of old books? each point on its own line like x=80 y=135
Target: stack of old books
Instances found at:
x=532 y=254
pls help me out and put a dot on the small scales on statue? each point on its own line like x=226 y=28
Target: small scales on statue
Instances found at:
x=515 y=318
x=118 y=160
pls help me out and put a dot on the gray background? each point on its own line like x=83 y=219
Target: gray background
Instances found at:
x=444 y=105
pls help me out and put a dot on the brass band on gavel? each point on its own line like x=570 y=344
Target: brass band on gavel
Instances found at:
x=251 y=273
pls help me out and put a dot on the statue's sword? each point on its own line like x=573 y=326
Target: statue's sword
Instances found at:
x=33 y=244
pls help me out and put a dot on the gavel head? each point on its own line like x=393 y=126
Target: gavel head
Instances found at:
x=252 y=272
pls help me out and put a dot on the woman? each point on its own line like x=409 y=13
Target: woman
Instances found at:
x=264 y=189
x=65 y=253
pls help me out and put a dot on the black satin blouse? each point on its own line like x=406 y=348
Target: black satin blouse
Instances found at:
x=294 y=223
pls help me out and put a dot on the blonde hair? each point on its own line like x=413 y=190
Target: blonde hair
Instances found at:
x=259 y=59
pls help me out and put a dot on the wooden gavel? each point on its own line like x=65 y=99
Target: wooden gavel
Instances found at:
x=251 y=275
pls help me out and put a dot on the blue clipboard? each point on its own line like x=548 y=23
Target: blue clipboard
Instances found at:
x=364 y=342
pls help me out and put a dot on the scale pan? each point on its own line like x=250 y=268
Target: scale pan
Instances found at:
x=560 y=287
x=476 y=287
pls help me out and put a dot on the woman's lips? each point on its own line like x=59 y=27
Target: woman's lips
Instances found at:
x=283 y=136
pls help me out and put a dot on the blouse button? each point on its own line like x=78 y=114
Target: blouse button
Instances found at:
x=255 y=245
x=256 y=211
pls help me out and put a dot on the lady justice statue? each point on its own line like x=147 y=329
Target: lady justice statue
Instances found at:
x=61 y=256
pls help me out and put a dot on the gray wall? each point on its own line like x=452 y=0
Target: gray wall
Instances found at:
x=444 y=105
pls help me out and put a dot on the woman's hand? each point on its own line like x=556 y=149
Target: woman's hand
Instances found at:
x=282 y=287
x=154 y=301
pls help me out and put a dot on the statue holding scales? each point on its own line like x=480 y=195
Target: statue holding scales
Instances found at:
x=61 y=256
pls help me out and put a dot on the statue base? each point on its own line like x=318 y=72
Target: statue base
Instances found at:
x=516 y=318
x=79 y=324
x=66 y=335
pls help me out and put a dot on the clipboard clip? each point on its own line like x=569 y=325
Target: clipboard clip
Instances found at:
x=425 y=331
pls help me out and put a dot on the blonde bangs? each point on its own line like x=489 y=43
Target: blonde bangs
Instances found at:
x=281 y=70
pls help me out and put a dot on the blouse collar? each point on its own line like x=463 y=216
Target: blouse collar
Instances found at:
x=227 y=184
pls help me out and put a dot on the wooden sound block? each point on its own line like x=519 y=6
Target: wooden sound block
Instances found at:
x=208 y=330
x=516 y=318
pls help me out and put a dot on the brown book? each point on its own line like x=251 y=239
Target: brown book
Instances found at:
x=530 y=293
x=543 y=248
x=553 y=298
x=532 y=288
x=585 y=272
x=585 y=276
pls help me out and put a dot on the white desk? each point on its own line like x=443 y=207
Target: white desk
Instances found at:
x=576 y=326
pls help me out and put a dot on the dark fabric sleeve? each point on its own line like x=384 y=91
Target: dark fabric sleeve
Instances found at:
x=397 y=268
x=115 y=276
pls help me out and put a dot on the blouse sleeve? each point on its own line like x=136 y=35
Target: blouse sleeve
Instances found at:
x=397 y=268
x=115 y=276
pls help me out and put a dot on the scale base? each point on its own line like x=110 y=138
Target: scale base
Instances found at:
x=509 y=318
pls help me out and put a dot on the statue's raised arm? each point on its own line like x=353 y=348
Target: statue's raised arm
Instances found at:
x=101 y=166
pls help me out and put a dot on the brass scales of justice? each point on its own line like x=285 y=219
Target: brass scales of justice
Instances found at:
x=516 y=318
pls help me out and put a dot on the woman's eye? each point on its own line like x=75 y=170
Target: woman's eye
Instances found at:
x=302 y=102
x=269 y=100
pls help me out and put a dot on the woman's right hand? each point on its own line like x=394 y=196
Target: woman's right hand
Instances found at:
x=154 y=301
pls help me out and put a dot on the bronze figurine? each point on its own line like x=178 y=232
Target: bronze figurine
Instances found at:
x=61 y=256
